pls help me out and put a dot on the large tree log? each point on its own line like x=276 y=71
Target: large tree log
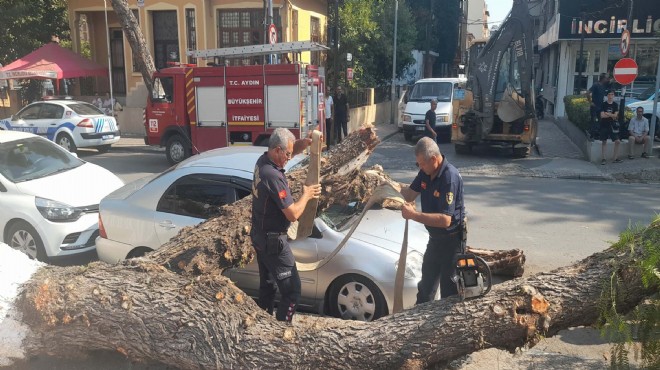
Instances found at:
x=147 y=312
x=174 y=306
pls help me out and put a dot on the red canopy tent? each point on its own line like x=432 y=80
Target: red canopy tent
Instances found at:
x=52 y=61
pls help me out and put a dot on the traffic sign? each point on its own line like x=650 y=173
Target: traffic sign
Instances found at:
x=625 y=71
x=272 y=34
x=624 y=45
x=349 y=73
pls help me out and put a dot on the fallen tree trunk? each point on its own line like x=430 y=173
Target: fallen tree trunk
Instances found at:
x=152 y=314
x=502 y=262
x=174 y=306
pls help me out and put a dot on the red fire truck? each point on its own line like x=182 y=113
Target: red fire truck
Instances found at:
x=194 y=109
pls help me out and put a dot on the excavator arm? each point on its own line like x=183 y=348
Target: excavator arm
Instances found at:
x=500 y=76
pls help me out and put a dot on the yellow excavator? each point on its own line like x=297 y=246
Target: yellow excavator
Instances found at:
x=498 y=108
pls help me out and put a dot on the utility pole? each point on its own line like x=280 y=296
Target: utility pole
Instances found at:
x=335 y=45
x=395 y=102
x=581 y=64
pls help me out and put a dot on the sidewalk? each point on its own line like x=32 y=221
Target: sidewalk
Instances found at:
x=567 y=160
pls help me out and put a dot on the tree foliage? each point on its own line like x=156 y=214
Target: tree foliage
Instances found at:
x=643 y=324
x=438 y=27
x=27 y=25
x=367 y=32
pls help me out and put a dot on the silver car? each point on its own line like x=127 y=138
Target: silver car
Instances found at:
x=358 y=283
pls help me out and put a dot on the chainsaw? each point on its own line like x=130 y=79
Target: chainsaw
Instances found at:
x=473 y=277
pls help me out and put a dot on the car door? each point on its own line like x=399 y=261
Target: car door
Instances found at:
x=25 y=119
x=50 y=116
x=304 y=251
x=190 y=200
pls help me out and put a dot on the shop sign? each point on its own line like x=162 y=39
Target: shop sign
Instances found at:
x=608 y=22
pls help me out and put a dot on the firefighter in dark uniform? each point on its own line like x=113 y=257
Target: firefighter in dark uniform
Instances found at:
x=443 y=213
x=273 y=210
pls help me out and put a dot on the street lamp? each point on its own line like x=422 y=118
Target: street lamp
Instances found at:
x=394 y=103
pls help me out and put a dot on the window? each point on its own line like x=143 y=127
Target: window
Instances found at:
x=163 y=89
x=191 y=33
x=31 y=112
x=244 y=27
x=51 y=111
x=199 y=196
x=315 y=36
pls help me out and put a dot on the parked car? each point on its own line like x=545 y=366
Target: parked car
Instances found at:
x=358 y=283
x=418 y=103
x=49 y=198
x=647 y=95
x=70 y=123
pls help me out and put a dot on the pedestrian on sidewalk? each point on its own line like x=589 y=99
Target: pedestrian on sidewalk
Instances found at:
x=596 y=96
x=638 y=130
x=341 y=114
x=329 y=111
x=609 y=127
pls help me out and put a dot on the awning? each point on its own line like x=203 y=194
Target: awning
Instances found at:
x=52 y=61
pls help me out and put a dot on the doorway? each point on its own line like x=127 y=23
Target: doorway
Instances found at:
x=166 y=38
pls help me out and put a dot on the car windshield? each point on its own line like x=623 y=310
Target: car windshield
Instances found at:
x=425 y=91
x=85 y=109
x=34 y=158
x=341 y=217
x=646 y=94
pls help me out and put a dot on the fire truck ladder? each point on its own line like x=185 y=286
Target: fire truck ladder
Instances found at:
x=257 y=50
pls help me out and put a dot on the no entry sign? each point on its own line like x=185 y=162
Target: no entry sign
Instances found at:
x=625 y=71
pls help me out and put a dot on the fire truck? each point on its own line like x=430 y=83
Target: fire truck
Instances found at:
x=194 y=109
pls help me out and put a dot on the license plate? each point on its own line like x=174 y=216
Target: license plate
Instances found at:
x=420 y=128
x=106 y=137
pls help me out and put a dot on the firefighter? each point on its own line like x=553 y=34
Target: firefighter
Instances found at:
x=273 y=210
x=443 y=212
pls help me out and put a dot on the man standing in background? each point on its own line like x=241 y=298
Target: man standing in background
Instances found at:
x=329 y=110
x=341 y=114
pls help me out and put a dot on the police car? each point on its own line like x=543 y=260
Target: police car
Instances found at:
x=70 y=123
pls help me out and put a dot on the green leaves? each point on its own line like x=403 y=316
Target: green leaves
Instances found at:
x=367 y=32
x=27 y=25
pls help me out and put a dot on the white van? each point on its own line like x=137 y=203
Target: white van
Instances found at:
x=419 y=102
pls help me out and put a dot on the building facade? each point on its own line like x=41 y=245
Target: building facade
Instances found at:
x=595 y=27
x=175 y=26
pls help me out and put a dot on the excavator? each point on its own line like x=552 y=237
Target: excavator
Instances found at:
x=498 y=108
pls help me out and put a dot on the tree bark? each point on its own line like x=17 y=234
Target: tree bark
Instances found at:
x=133 y=33
x=174 y=306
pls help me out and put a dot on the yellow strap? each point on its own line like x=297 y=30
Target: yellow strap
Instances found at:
x=381 y=193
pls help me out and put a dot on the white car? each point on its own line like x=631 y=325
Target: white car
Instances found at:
x=70 y=123
x=48 y=197
x=358 y=283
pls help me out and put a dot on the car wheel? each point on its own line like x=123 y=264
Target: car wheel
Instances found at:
x=66 y=142
x=23 y=237
x=407 y=136
x=103 y=148
x=354 y=297
x=176 y=149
